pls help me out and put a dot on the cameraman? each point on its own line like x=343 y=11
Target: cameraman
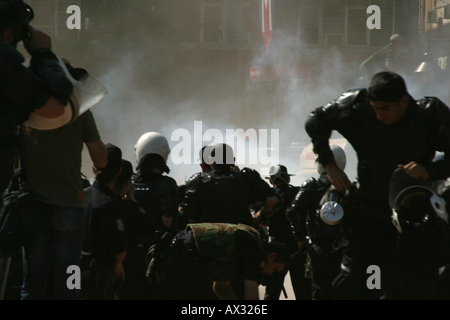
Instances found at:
x=43 y=88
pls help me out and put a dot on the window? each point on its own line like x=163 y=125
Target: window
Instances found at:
x=213 y=23
x=344 y=22
x=357 y=31
x=221 y=22
x=380 y=37
x=309 y=26
x=440 y=3
x=333 y=23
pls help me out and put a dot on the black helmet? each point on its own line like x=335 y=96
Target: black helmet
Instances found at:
x=415 y=206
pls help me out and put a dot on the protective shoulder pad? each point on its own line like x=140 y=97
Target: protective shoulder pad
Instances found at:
x=351 y=97
x=307 y=184
x=431 y=103
x=434 y=107
x=428 y=102
x=341 y=106
x=193 y=182
x=251 y=174
x=167 y=186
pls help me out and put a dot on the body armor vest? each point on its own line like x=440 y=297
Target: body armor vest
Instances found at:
x=225 y=199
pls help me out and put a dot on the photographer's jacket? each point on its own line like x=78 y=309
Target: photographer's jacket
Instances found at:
x=424 y=129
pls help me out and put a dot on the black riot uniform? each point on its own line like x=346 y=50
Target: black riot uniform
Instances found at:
x=370 y=237
x=225 y=198
x=280 y=231
x=104 y=238
x=138 y=225
x=157 y=194
x=325 y=252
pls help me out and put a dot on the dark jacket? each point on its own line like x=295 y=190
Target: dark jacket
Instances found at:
x=104 y=235
x=424 y=129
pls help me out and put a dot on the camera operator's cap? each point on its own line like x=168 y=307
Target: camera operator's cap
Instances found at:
x=279 y=172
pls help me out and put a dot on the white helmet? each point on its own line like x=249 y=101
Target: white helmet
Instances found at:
x=152 y=142
x=339 y=157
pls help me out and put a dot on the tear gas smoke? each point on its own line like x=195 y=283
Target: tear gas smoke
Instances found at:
x=158 y=84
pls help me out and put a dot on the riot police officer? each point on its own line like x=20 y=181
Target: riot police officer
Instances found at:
x=280 y=231
x=104 y=240
x=388 y=129
x=204 y=153
x=154 y=191
x=224 y=195
x=325 y=235
x=138 y=224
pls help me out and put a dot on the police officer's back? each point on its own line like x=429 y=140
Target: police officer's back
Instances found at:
x=280 y=231
x=104 y=242
x=154 y=191
x=224 y=195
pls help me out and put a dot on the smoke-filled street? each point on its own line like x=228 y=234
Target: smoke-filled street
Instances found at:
x=224 y=149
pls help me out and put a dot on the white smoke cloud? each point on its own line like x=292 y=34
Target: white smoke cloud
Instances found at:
x=147 y=94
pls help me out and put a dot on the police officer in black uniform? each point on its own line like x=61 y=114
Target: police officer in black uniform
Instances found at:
x=305 y=216
x=105 y=242
x=43 y=88
x=204 y=154
x=224 y=194
x=388 y=129
x=138 y=224
x=280 y=231
x=156 y=193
